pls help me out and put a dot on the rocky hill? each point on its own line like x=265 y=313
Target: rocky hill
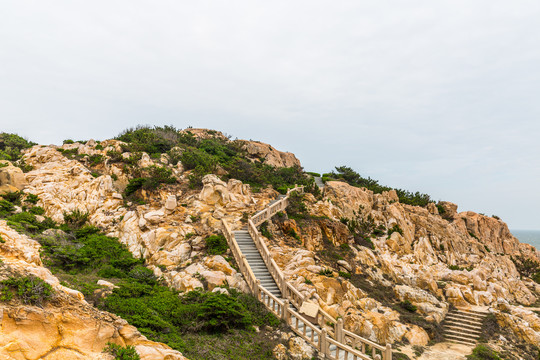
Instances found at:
x=91 y=211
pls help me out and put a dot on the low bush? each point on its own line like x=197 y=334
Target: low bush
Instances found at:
x=483 y=352
x=407 y=305
x=216 y=244
x=122 y=353
x=11 y=146
x=28 y=289
x=353 y=178
x=345 y=274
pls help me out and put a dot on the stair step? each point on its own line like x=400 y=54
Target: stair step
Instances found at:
x=463 y=325
x=459 y=333
x=462 y=329
x=465 y=317
x=468 y=321
x=460 y=338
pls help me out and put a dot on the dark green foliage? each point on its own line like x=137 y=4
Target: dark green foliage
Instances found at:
x=31 y=199
x=483 y=352
x=75 y=219
x=122 y=353
x=152 y=140
x=345 y=274
x=29 y=289
x=68 y=141
x=6 y=206
x=407 y=305
x=206 y=155
x=362 y=228
x=153 y=177
x=441 y=210
x=2 y=241
x=313 y=174
x=297 y=209
x=216 y=244
x=11 y=146
x=134 y=185
x=473 y=235
x=89 y=253
x=95 y=159
x=309 y=282
x=353 y=178
x=527 y=267
x=264 y=230
x=326 y=272
x=37 y=210
x=13 y=197
x=394 y=229
x=26 y=222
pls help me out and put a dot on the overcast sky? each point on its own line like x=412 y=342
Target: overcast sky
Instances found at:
x=442 y=97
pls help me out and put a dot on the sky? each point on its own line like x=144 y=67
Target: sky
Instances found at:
x=441 y=97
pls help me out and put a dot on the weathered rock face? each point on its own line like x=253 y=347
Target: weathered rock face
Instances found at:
x=271 y=156
x=11 y=177
x=66 y=327
x=430 y=262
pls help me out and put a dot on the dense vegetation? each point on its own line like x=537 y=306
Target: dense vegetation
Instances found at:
x=11 y=146
x=350 y=176
x=79 y=254
x=483 y=352
x=207 y=155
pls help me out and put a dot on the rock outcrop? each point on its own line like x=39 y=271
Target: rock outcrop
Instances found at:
x=66 y=327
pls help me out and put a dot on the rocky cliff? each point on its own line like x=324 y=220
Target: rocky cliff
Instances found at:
x=361 y=256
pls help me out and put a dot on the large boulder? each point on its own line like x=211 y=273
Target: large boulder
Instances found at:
x=11 y=177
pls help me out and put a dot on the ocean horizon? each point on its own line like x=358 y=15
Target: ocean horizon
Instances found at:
x=528 y=236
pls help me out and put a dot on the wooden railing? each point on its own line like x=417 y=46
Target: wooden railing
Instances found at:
x=331 y=338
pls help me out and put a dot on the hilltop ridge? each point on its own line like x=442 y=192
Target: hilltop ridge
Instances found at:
x=390 y=270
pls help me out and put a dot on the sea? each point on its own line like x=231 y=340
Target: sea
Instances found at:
x=528 y=236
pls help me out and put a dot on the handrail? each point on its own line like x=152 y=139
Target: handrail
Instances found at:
x=337 y=335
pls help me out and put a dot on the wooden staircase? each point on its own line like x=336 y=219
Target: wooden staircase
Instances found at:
x=267 y=282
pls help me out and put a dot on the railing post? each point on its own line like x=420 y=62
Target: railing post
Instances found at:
x=339 y=330
x=285 y=313
x=257 y=289
x=322 y=340
x=377 y=357
x=388 y=352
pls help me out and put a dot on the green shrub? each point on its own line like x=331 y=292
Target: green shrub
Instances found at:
x=76 y=219
x=95 y=159
x=394 y=229
x=309 y=282
x=13 y=197
x=68 y=141
x=326 y=272
x=441 y=209
x=407 y=305
x=6 y=206
x=2 y=241
x=27 y=222
x=31 y=199
x=36 y=210
x=313 y=174
x=134 y=185
x=29 y=289
x=483 y=352
x=122 y=353
x=216 y=244
x=353 y=178
x=345 y=274
x=264 y=230
x=297 y=209
x=11 y=146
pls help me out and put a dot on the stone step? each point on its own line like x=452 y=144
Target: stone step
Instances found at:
x=462 y=329
x=466 y=315
x=459 y=333
x=463 y=325
x=460 y=339
x=469 y=314
x=478 y=312
x=463 y=320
